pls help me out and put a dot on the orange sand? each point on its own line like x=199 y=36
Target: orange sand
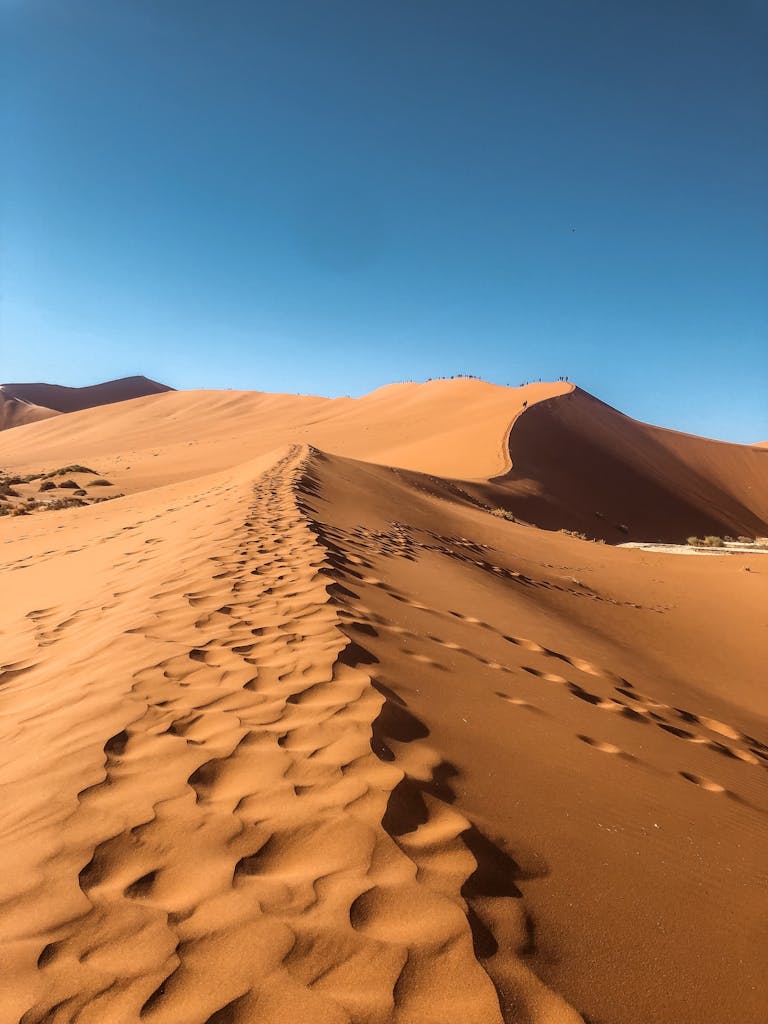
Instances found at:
x=300 y=730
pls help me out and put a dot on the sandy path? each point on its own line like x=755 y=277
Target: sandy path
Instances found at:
x=215 y=847
x=290 y=736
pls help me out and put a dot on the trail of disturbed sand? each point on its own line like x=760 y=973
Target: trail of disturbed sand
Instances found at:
x=208 y=830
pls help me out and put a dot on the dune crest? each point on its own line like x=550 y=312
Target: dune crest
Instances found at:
x=255 y=745
x=581 y=465
x=448 y=427
x=291 y=734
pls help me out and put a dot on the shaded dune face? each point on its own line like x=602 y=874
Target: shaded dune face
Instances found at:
x=548 y=454
x=452 y=428
x=53 y=398
x=15 y=413
x=581 y=465
x=599 y=796
x=308 y=738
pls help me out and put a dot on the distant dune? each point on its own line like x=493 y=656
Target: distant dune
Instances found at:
x=297 y=723
x=549 y=453
x=53 y=398
x=14 y=412
x=452 y=428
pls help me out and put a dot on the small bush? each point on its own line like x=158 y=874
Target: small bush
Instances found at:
x=713 y=542
x=693 y=541
x=80 y=493
x=622 y=527
x=7 y=490
x=70 y=484
x=503 y=513
x=574 y=533
x=101 y=482
x=65 y=503
x=25 y=478
x=47 y=485
x=71 y=469
x=744 y=540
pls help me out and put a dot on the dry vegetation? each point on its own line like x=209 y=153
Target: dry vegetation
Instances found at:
x=21 y=494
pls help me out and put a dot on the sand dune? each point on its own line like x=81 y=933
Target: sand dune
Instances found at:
x=453 y=428
x=571 y=462
x=15 y=411
x=303 y=732
x=53 y=398
x=582 y=465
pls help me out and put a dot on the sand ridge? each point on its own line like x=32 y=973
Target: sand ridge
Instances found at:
x=254 y=743
x=582 y=465
x=455 y=428
x=290 y=734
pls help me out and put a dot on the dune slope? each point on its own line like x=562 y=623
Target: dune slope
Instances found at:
x=581 y=465
x=452 y=428
x=307 y=737
x=14 y=411
x=63 y=399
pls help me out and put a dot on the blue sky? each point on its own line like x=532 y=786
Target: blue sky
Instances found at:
x=325 y=196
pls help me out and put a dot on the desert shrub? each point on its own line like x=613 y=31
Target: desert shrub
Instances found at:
x=5 y=510
x=693 y=541
x=47 y=485
x=503 y=513
x=6 y=489
x=101 y=482
x=713 y=542
x=80 y=493
x=622 y=527
x=65 y=503
x=744 y=540
x=574 y=533
x=71 y=469
x=24 y=478
x=70 y=484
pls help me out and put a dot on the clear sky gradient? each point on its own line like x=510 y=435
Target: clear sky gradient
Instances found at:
x=328 y=195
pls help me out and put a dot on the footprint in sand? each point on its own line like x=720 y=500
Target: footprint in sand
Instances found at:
x=520 y=703
x=703 y=782
x=606 y=748
x=547 y=677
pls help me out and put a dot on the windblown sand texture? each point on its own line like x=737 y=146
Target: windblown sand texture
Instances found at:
x=302 y=728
